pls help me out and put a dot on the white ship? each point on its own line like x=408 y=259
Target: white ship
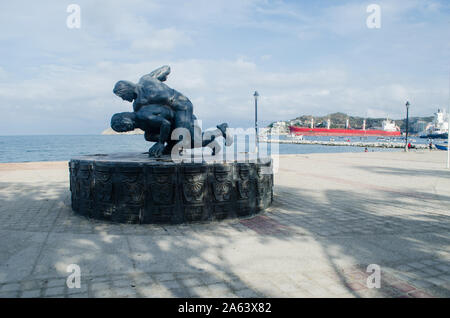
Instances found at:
x=438 y=128
x=389 y=125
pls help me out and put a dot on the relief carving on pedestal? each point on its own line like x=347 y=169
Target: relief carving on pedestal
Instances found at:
x=162 y=186
x=103 y=186
x=243 y=183
x=131 y=187
x=84 y=182
x=194 y=186
x=222 y=186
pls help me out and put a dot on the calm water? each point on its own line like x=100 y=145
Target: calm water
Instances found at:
x=58 y=148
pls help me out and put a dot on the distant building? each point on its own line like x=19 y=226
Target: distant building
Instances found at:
x=279 y=128
x=294 y=122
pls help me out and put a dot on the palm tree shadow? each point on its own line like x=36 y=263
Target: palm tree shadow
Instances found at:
x=190 y=260
x=369 y=230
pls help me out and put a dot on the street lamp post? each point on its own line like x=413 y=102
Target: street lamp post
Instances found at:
x=407 y=119
x=256 y=122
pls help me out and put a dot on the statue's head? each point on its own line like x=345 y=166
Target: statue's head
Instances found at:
x=125 y=90
x=122 y=122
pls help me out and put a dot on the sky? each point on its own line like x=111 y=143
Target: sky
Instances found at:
x=303 y=57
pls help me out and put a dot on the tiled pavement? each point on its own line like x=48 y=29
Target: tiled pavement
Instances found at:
x=332 y=216
x=300 y=284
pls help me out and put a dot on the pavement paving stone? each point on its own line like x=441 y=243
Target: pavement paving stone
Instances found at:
x=164 y=277
x=83 y=289
x=171 y=284
x=78 y=295
x=419 y=294
x=333 y=214
x=431 y=271
x=124 y=292
x=190 y=282
x=10 y=287
x=54 y=291
x=31 y=284
x=248 y=293
x=31 y=293
x=10 y=294
x=437 y=281
x=100 y=286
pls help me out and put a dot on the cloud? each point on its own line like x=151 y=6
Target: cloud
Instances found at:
x=220 y=90
x=302 y=58
x=161 y=40
x=3 y=74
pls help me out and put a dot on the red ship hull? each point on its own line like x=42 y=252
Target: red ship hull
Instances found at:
x=340 y=132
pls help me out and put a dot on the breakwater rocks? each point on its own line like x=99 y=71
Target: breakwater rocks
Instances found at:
x=365 y=144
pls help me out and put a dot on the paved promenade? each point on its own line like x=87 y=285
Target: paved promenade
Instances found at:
x=332 y=216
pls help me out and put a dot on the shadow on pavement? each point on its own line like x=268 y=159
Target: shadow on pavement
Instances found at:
x=41 y=236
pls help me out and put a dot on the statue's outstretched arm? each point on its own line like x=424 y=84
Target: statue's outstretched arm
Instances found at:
x=160 y=73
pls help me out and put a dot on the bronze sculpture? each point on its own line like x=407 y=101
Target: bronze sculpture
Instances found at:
x=136 y=188
x=158 y=110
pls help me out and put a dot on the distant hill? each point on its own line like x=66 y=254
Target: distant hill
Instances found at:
x=110 y=131
x=338 y=120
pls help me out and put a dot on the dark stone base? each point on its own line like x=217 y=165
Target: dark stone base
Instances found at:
x=132 y=188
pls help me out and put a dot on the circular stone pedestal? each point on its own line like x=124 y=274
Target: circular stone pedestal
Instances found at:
x=133 y=188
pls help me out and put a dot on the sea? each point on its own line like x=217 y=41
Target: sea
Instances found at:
x=64 y=147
